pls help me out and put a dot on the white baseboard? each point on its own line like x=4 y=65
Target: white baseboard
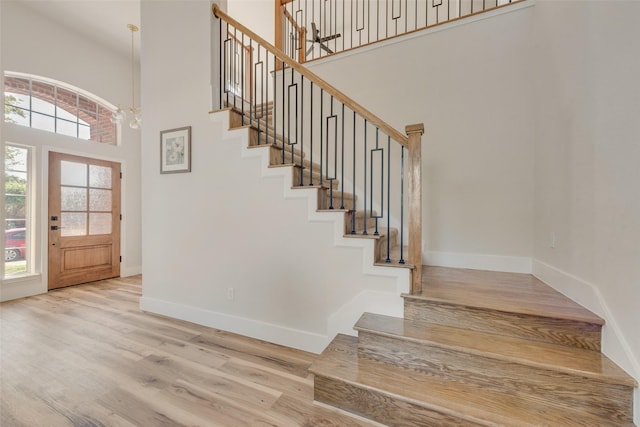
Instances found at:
x=614 y=344
x=479 y=261
x=131 y=271
x=282 y=335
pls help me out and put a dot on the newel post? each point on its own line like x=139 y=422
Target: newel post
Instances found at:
x=414 y=203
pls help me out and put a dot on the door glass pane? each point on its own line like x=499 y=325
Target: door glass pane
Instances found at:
x=73 y=173
x=99 y=223
x=100 y=200
x=73 y=199
x=73 y=224
x=99 y=176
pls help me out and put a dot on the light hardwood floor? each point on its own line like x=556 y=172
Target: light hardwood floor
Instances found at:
x=87 y=356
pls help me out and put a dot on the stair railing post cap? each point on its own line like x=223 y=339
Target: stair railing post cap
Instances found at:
x=415 y=128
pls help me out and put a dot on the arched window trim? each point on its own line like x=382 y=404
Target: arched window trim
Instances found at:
x=106 y=105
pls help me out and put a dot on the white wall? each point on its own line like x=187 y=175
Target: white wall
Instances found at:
x=470 y=85
x=587 y=160
x=33 y=44
x=257 y=15
x=225 y=226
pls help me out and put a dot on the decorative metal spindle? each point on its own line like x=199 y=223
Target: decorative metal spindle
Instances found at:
x=353 y=201
x=266 y=91
x=402 y=206
x=376 y=232
x=282 y=71
x=311 y=137
x=242 y=78
x=251 y=95
x=301 y=131
x=388 y=199
x=342 y=156
x=221 y=57
x=321 y=133
x=364 y=156
x=295 y=123
x=275 y=100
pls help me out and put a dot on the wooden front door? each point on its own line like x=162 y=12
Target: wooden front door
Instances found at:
x=84 y=220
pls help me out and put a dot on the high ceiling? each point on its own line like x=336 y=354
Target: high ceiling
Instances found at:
x=105 y=21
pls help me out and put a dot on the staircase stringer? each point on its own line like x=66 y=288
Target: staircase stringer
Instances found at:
x=402 y=275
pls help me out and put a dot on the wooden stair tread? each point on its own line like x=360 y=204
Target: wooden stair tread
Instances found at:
x=382 y=231
x=570 y=360
x=521 y=293
x=469 y=402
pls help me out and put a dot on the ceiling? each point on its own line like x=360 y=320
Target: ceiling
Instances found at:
x=104 y=21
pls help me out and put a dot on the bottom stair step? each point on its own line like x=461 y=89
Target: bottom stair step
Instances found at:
x=397 y=396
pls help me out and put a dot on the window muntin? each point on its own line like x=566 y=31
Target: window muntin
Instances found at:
x=57 y=108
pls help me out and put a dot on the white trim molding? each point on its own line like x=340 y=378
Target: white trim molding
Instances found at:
x=614 y=344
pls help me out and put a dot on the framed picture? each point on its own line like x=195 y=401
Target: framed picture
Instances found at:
x=175 y=150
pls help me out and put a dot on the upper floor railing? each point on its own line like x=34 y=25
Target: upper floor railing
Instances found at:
x=361 y=164
x=311 y=29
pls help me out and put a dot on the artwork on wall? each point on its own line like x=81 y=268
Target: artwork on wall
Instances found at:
x=175 y=150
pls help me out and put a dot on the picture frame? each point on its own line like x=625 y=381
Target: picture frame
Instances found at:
x=175 y=150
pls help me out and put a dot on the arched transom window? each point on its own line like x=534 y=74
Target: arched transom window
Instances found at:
x=52 y=106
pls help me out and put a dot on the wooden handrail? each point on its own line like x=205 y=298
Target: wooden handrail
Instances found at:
x=353 y=105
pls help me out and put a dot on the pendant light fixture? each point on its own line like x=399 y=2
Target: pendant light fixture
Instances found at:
x=136 y=114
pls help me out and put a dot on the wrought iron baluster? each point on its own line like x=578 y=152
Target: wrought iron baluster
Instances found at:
x=242 y=56
x=364 y=156
x=342 y=159
x=375 y=217
x=321 y=129
x=353 y=201
x=266 y=80
x=388 y=259
x=301 y=131
x=402 y=206
x=311 y=133
x=283 y=112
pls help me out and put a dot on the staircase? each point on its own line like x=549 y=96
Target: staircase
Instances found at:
x=477 y=348
x=305 y=175
x=474 y=348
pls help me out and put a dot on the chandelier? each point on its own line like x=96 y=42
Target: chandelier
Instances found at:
x=136 y=114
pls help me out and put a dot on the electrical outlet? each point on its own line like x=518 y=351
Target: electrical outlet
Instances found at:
x=231 y=293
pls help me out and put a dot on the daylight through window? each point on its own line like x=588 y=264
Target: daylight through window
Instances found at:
x=53 y=107
x=16 y=202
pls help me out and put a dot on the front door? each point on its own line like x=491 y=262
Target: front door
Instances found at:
x=84 y=220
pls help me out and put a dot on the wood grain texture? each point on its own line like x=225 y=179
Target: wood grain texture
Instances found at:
x=399 y=396
x=414 y=203
x=531 y=371
x=532 y=327
x=519 y=293
x=510 y=304
x=87 y=356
